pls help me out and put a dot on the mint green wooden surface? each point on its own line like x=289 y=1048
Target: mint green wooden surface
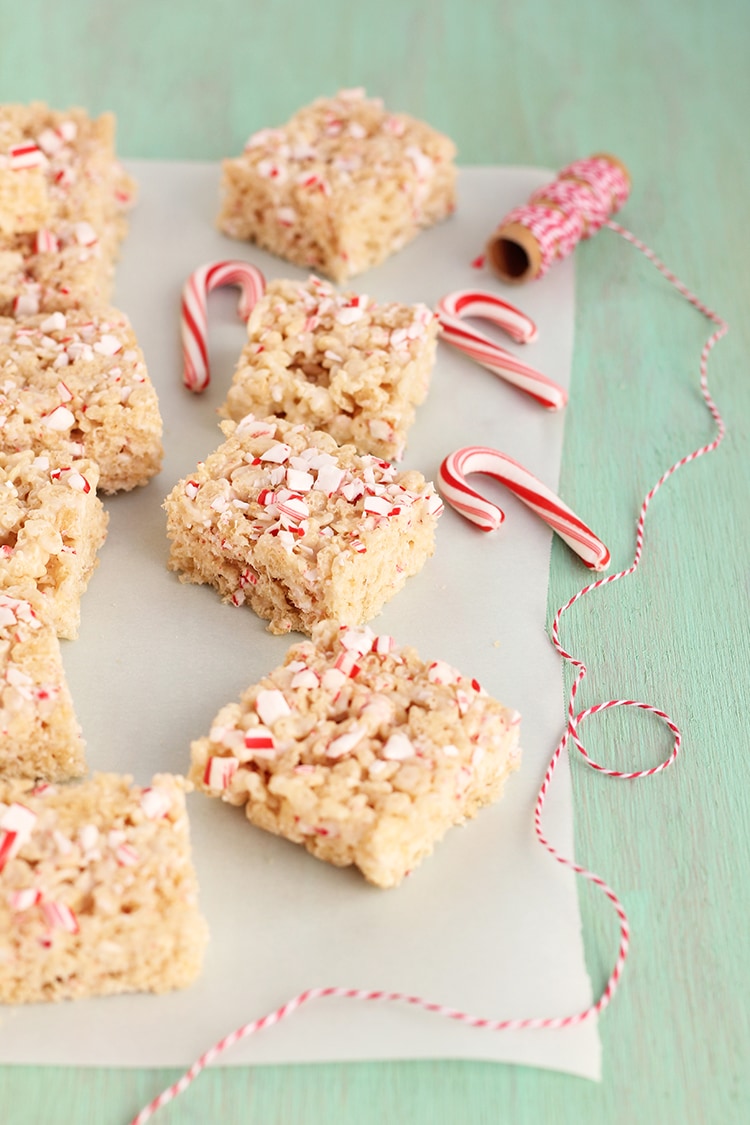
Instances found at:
x=665 y=85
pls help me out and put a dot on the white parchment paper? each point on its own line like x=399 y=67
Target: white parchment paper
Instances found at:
x=489 y=924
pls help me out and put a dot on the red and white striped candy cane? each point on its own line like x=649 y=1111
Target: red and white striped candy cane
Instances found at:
x=528 y=488
x=477 y=302
x=194 y=329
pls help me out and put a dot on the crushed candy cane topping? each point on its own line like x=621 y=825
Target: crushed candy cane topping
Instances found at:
x=355 y=700
x=287 y=492
x=330 y=141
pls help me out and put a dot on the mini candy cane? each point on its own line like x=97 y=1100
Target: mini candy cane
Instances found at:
x=478 y=302
x=213 y=275
x=498 y=360
x=530 y=490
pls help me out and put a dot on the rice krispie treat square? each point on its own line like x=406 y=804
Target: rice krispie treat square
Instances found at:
x=57 y=168
x=77 y=384
x=298 y=527
x=338 y=362
x=68 y=271
x=51 y=526
x=340 y=187
x=98 y=894
x=360 y=751
x=39 y=734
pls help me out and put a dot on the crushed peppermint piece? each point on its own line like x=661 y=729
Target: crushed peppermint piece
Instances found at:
x=126 y=855
x=279 y=453
x=84 y=234
x=398 y=748
x=345 y=743
x=59 y=916
x=26 y=155
x=219 y=772
x=271 y=705
x=56 y=322
x=24 y=899
x=257 y=740
x=155 y=803
x=107 y=345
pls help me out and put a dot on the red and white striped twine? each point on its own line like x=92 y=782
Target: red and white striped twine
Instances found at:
x=583 y=197
x=570 y=735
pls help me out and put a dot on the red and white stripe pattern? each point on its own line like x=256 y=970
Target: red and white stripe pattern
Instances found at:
x=577 y=205
x=26 y=155
x=479 y=303
x=570 y=735
x=488 y=306
x=528 y=488
x=194 y=328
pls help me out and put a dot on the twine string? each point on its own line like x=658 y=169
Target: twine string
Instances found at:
x=570 y=735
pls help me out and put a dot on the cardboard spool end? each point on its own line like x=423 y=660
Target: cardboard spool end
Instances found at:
x=513 y=252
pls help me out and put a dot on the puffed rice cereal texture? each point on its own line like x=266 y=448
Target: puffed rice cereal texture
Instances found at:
x=283 y=519
x=52 y=525
x=71 y=274
x=338 y=362
x=76 y=384
x=39 y=734
x=59 y=168
x=340 y=187
x=98 y=894
x=359 y=750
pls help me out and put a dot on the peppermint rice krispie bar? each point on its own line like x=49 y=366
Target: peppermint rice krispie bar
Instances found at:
x=59 y=168
x=360 y=751
x=76 y=383
x=340 y=187
x=300 y=528
x=98 y=893
x=39 y=734
x=51 y=526
x=338 y=362
x=67 y=271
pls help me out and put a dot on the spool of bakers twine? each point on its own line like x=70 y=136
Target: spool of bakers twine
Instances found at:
x=557 y=217
x=570 y=735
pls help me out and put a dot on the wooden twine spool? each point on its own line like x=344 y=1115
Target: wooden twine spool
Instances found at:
x=557 y=217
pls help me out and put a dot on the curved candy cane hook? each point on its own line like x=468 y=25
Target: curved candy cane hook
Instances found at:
x=527 y=487
x=488 y=306
x=194 y=326
x=476 y=302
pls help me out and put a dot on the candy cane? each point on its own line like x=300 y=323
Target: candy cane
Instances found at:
x=527 y=487
x=213 y=275
x=476 y=302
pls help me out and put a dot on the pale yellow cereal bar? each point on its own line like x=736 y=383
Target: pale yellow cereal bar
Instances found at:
x=98 y=894
x=59 y=168
x=338 y=362
x=39 y=734
x=301 y=529
x=361 y=751
x=341 y=186
x=76 y=384
x=52 y=525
